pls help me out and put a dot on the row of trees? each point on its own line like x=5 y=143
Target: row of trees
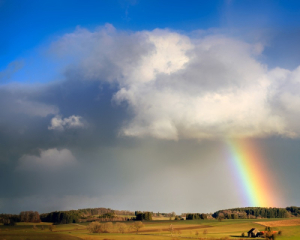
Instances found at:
x=30 y=216
x=158 y=214
x=62 y=217
x=102 y=211
x=252 y=212
x=107 y=214
x=193 y=216
x=295 y=211
x=96 y=227
x=143 y=216
x=26 y=216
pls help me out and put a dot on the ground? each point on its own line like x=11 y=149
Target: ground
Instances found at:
x=156 y=230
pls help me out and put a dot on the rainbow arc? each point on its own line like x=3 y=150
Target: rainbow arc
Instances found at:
x=252 y=173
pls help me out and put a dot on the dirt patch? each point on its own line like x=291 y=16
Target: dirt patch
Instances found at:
x=166 y=229
x=281 y=223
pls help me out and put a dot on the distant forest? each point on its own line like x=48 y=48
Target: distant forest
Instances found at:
x=257 y=212
x=107 y=214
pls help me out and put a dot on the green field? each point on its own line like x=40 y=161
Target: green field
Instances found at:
x=157 y=230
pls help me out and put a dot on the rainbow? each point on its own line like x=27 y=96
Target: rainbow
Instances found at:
x=251 y=174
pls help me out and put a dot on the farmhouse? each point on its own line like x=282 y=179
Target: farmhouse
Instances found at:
x=253 y=232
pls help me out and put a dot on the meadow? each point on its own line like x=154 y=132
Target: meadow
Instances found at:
x=156 y=230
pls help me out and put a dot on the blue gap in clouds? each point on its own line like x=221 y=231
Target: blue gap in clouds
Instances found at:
x=27 y=24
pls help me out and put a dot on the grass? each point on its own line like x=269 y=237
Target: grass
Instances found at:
x=27 y=231
x=156 y=230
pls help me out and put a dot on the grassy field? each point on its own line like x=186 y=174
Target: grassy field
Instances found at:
x=156 y=230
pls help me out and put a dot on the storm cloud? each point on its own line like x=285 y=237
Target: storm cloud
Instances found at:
x=141 y=110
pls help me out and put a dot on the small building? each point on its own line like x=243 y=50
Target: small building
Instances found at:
x=253 y=233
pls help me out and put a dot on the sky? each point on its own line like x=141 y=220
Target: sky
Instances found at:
x=145 y=105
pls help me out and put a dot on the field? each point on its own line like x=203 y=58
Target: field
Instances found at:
x=292 y=222
x=156 y=230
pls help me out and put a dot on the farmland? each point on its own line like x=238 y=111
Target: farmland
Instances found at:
x=157 y=230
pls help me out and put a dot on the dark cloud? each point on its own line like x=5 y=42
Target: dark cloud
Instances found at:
x=26 y=133
x=109 y=167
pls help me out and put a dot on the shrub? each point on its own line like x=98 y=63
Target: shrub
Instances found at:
x=137 y=225
x=51 y=228
x=9 y=222
x=107 y=227
x=95 y=227
x=121 y=227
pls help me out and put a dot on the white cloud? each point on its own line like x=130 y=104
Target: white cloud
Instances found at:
x=59 y=123
x=179 y=87
x=48 y=160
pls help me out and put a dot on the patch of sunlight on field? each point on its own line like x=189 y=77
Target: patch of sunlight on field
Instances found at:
x=289 y=233
x=26 y=232
x=126 y=237
x=286 y=222
x=31 y=224
x=126 y=216
x=232 y=229
x=162 y=218
x=156 y=230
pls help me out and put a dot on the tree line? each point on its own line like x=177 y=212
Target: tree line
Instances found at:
x=61 y=217
x=295 y=211
x=26 y=216
x=194 y=216
x=107 y=214
x=252 y=212
x=140 y=216
x=102 y=211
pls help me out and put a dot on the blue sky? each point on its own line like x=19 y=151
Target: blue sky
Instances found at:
x=103 y=99
x=28 y=26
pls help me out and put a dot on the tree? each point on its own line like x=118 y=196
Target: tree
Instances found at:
x=51 y=228
x=29 y=216
x=137 y=226
x=95 y=227
x=107 y=227
x=9 y=222
x=121 y=227
x=144 y=216
x=221 y=216
x=171 y=229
